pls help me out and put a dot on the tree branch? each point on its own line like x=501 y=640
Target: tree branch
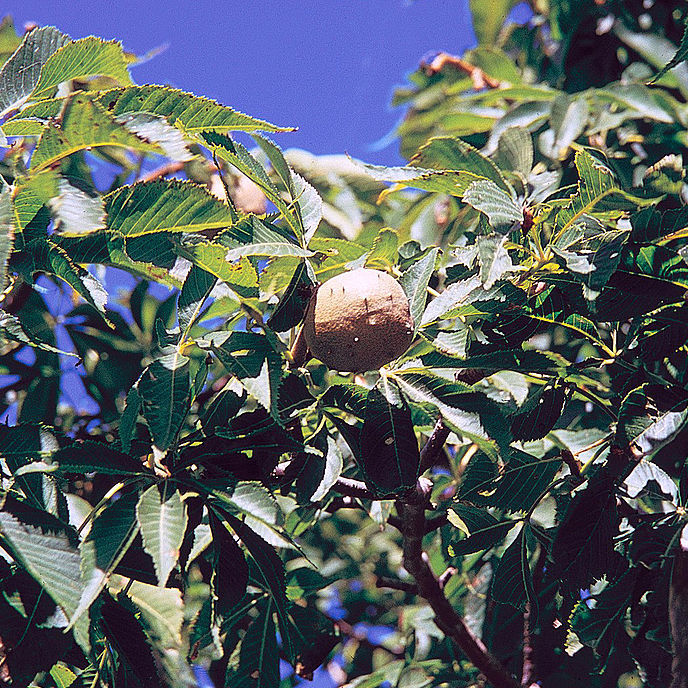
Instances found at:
x=432 y=448
x=412 y=510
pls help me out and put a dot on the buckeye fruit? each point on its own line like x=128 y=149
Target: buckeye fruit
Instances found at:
x=358 y=321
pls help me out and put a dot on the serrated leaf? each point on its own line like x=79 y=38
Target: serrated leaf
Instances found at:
x=515 y=149
x=162 y=612
x=75 y=212
x=6 y=232
x=494 y=259
x=645 y=472
x=53 y=560
x=258 y=665
x=188 y=112
x=292 y=306
x=162 y=520
x=481 y=530
x=83 y=125
x=462 y=409
x=31 y=194
x=20 y=74
x=127 y=422
x=512 y=582
x=567 y=119
x=389 y=449
x=539 y=414
x=309 y=204
x=164 y=206
x=517 y=360
x=383 y=254
x=111 y=534
x=197 y=287
x=451 y=153
x=501 y=209
x=157 y=130
x=678 y=58
x=415 y=280
x=230 y=570
x=82 y=59
x=651 y=416
x=88 y=456
x=165 y=388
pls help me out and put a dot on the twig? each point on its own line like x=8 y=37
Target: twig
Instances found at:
x=345 y=486
x=528 y=672
x=432 y=448
x=163 y=171
x=412 y=510
x=444 y=577
x=478 y=77
x=572 y=462
x=396 y=584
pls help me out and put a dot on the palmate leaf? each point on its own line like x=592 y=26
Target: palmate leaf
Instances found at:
x=651 y=416
x=258 y=662
x=479 y=528
x=83 y=125
x=165 y=206
x=20 y=74
x=81 y=59
x=230 y=570
x=50 y=556
x=270 y=571
x=253 y=360
x=188 y=112
x=389 y=449
x=597 y=190
x=470 y=414
x=165 y=390
x=6 y=232
x=452 y=153
x=414 y=281
x=498 y=205
x=162 y=519
x=111 y=534
x=512 y=582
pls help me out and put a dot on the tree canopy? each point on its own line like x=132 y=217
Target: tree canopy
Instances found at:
x=503 y=504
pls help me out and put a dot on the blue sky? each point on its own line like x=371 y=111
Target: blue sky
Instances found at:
x=326 y=66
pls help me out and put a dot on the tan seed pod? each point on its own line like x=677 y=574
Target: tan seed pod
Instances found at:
x=358 y=321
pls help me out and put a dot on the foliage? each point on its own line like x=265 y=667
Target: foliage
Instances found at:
x=202 y=500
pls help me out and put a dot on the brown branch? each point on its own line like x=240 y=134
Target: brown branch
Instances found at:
x=678 y=620
x=432 y=448
x=345 y=486
x=412 y=510
x=528 y=671
x=478 y=77
x=163 y=171
x=396 y=584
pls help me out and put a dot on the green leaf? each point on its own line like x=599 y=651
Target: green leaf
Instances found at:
x=162 y=520
x=489 y=18
x=162 y=613
x=383 y=254
x=53 y=560
x=82 y=59
x=258 y=665
x=501 y=210
x=292 y=306
x=494 y=259
x=415 y=280
x=645 y=472
x=517 y=360
x=197 y=287
x=539 y=414
x=164 y=206
x=451 y=153
x=230 y=570
x=83 y=125
x=188 y=112
x=111 y=534
x=6 y=232
x=270 y=570
x=389 y=449
x=31 y=194
x=515 y=150
x=462 y=409
x=252 y=359
x=165 y=389
x=309 y=205
x=480 y=529
x=62 y=675
x=567 y=120
x=88 y=456
x=127 y=422
x=651 y=416
x=20 y=74
x=583 y=548
x=75 y=212
x=512 y=582
x=156 y=130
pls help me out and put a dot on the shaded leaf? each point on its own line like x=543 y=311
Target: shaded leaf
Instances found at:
x=512 y=582
x=501 y=209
